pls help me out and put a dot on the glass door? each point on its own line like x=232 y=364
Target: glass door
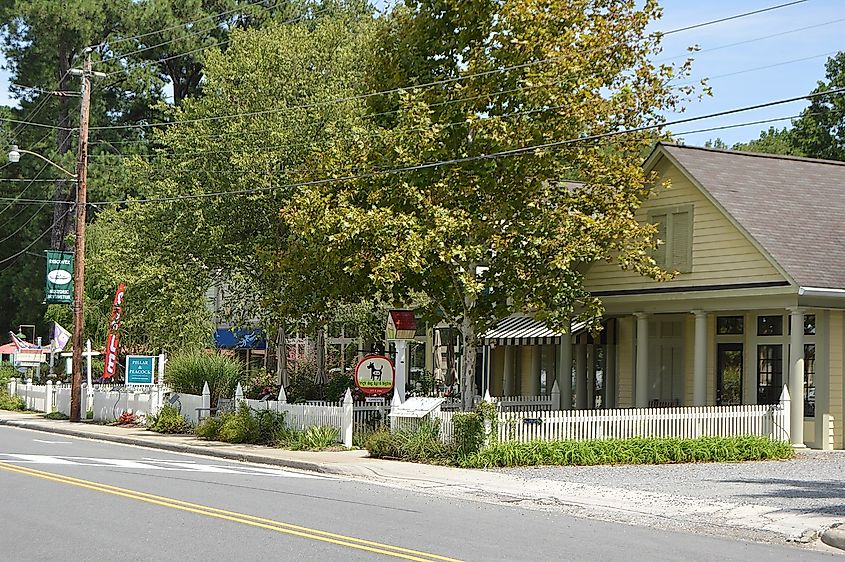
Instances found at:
x=729 y=374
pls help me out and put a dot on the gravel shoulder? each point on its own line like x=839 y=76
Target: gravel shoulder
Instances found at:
x=813 y=483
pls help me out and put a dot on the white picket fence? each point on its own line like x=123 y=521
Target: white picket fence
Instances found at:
x=523 y=403
x=691 y=422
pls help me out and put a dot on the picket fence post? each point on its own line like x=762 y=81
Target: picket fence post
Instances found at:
x=347 y=419
x=48 y=397
x=786 y=417
x=239 y=395
x=206 y=399
x=283 y=397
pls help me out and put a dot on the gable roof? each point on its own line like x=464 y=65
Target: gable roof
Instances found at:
x=794 y=208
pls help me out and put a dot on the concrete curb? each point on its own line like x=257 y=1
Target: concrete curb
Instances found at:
x=835 y=537
x=212 y=450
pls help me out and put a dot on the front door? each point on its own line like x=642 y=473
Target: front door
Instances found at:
x=729 y=374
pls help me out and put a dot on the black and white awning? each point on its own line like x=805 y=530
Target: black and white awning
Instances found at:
x=521 y=329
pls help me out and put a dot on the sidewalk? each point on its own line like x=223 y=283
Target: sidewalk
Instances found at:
x=634 y=495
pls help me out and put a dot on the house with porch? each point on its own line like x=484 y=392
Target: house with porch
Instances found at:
x=758 y=302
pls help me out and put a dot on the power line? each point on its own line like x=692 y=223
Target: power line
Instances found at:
x=34 y=242
x=495 y=155
x=430 y=84
x=191 y=33
x=765 y=67
x=737 y=16
x=219 y=44
x=747 y=41
x=177 y=26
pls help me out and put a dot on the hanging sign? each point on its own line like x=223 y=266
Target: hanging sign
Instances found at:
x=374 y=375
x=59 y=277
x=113 y=339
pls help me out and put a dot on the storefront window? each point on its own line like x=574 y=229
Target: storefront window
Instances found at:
x=770 y=325
x=729 y=325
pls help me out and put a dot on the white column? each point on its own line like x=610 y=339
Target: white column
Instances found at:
x=401 y=368
x=549 y=367
x=641 y=382
x=591 y=376
x=796 y=377
x=581 y=376
x=536 y=368
x=507 y=372
x=610 y=366
x=564 y=371
x=699 y=377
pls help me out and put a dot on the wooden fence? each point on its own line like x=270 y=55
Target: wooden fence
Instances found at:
x=691 y=422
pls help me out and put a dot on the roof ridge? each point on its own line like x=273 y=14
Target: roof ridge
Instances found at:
x=755 y=154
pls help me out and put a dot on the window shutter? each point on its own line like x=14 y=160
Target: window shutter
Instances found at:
x=681 y=233
x=660 y=252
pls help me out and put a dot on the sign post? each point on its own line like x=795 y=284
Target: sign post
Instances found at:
x=140 y=369
x=401 y=326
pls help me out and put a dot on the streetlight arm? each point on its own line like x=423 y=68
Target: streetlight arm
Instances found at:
x=24 y=151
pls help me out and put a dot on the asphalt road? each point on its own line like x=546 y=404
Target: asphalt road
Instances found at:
x=77 y=500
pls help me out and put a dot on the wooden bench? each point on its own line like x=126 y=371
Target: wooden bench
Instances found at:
x=223 y=405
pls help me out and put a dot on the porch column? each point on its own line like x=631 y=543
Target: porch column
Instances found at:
x=591 y=376
x=549 y=367
x=507 y=372
x=641 y=382
x=564 y=371
x=796 y=378
x=610 y=366
x=581 y=376
x=536 y=368
x=699 y=395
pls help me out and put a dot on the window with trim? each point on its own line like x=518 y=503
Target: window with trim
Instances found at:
x=674 y=231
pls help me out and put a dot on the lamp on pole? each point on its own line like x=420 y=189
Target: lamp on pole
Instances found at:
x=81 y=177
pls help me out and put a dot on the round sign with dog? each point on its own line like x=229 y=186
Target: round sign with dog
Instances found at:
x=374 y=375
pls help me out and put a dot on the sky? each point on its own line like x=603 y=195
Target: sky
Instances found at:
x=789 y=65
x=762 y=69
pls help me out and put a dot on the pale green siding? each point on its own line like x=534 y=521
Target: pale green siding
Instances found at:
x=721 y=254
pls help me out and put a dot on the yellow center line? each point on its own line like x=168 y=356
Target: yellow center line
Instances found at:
x=278 y=526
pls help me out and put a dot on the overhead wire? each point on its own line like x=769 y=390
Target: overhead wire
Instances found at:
x=33 y=243
x=429 y=84
x=494 y=155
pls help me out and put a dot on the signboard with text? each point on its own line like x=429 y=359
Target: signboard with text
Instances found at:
x=140 y=369
x=59 y=277
x=374 y=375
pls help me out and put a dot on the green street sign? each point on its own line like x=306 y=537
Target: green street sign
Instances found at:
x=59 y=277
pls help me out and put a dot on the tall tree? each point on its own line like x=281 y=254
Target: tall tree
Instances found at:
x=492 y=232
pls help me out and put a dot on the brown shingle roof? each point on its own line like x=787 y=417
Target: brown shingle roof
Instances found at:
x=793 y=207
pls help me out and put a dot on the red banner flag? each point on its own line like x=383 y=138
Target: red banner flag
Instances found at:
x=113 y=339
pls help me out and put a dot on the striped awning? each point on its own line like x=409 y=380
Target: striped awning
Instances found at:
x=521 y=329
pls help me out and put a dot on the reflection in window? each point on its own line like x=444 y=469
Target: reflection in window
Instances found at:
x=770 y=325
x=810 y=325
x=769 y=373
x=729 y=325
x=809 y=380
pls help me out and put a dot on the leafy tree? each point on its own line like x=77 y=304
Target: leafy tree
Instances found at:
x=489 y=236
x=772 y=141
x=820 y=130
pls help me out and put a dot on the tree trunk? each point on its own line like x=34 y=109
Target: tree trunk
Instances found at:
x=282 y=356
x=321 y=356
x=468 y=355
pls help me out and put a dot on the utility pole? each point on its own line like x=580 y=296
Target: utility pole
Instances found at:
x=79 y=246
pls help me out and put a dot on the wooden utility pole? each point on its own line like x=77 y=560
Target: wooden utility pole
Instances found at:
x=79 y=251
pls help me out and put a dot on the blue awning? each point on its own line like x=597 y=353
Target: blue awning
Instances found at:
x=226 y=338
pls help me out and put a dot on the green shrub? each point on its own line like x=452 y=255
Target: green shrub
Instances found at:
x=7 y=373
x=420 y=444
x=8 y=402
x=168 y=420
x=209 y=428
x=239 y=426
x=271 y=427
x=312 y=438
x=188 y=373
x=55 y=416
x=627 y=451
x=382 y=444
x=469 y=432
